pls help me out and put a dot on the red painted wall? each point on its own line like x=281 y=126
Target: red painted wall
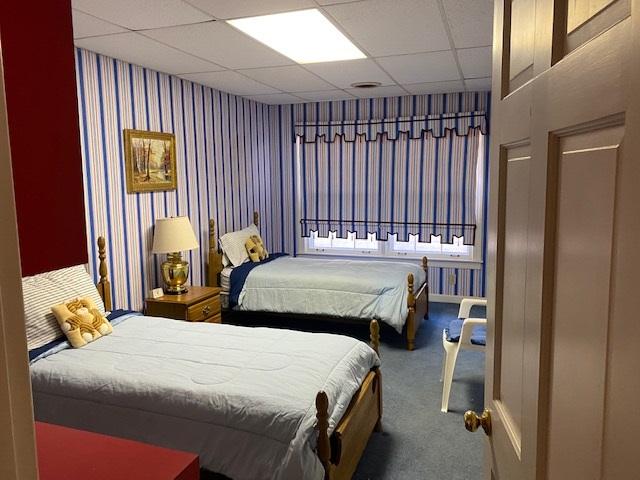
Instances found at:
x=40 y=87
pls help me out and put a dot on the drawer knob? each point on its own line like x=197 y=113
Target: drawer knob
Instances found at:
x=206 y=310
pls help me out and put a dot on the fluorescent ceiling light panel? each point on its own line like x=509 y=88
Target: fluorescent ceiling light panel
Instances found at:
x=305 y=36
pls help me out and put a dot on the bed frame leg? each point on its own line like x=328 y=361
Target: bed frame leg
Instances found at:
x=324 y=446
x=374 y=336
x=411 y=320
x=378 y=426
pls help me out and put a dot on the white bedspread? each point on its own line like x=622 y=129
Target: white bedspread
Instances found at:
x=342 y=288
x=242 y=398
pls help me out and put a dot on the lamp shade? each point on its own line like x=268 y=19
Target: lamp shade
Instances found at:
x=173 y=234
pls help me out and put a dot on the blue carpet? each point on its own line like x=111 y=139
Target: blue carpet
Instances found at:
x=418 y=442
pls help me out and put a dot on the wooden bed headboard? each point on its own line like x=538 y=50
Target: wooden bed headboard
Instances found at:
x=214 y=263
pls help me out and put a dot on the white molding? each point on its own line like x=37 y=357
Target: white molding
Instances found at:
x=440 y=298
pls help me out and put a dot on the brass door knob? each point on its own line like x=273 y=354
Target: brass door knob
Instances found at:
x=206 y=310
x=472 y=421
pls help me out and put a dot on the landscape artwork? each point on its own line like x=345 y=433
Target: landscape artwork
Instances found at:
x=150 y=160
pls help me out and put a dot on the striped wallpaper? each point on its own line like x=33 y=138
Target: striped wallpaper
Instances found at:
x=223 y=147
x=283 y=119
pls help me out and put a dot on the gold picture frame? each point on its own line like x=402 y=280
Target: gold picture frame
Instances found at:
x=150 y=161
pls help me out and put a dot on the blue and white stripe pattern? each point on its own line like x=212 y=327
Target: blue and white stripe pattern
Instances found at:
x=421 y=186
x=223 y=148
x=283 y=121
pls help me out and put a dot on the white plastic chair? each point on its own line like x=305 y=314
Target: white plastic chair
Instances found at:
x=452 y=345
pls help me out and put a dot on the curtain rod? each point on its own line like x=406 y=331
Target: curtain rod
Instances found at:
x=378 y=122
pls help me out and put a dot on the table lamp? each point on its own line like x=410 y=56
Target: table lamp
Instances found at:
x=173 y=236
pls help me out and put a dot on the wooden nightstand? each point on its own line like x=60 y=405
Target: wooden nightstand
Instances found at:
x=199 y=304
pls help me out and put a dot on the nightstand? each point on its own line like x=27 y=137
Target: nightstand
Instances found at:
x=199 y=304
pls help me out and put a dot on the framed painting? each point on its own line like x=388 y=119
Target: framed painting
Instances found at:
x=150 y=161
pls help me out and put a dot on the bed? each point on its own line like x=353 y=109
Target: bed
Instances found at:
x=217 y=390
x=393 y=292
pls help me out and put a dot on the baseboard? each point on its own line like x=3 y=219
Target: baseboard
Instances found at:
x=436 y=297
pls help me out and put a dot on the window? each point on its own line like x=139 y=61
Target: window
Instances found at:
x=331 y=245
x=350 y=245
x=433 y=249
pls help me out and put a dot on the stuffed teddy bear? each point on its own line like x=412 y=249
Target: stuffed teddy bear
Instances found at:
x=81 y=321
x=255 y=249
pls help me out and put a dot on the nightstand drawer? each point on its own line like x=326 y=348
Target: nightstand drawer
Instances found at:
x=203 y=310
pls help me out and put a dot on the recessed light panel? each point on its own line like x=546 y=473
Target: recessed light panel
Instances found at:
x=305 y=36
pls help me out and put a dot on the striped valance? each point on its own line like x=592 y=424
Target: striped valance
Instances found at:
x=437 y=125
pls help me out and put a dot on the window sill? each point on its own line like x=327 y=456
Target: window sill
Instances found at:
x=468 y=264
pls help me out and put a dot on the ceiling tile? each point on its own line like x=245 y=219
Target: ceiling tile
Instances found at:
x=139 y=50
x=421 y=67
x=290 y=79
x=325 y=95
x=226 y=9
x=478 y=84
x=87 y=26
x=231 y=82
x=435 y=87
x=382 y=27
x=219 y=43
x=386 y=91
x=475 y=62
x=276 y=98
x=141 y=14
x=471 y=23
x=344 y=74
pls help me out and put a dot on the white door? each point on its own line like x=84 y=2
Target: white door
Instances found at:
x=563 y=353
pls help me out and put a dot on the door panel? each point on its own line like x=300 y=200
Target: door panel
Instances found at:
x=588 y=18
x=521 y=33
x=513 y=310
x=583 y=246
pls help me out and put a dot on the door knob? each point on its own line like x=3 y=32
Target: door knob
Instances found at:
x=472 y=421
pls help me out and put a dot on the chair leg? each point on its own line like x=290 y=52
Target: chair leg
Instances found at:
x=449 y=366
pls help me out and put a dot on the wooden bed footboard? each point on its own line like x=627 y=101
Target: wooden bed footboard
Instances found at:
x=341 y=452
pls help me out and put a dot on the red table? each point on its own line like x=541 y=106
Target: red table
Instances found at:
x=69 y=454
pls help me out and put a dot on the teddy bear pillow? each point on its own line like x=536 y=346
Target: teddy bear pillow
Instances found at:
x=255 y=248
x=81 y=321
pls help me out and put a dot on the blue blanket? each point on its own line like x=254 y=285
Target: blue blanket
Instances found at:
x=240 y=273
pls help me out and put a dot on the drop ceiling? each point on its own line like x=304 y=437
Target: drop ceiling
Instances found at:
x=412 y=46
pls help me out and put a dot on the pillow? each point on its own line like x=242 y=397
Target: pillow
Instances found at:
x=81 y=321
x=45 y=289
x=233 y=244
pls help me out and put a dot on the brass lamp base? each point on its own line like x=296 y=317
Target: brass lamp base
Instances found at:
x=175 y=272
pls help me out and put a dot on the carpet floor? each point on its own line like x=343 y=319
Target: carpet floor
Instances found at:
x=419 y=442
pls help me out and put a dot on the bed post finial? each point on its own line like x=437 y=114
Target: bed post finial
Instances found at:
x=324 y=446
x=425 y=264
x=214 y=264
x=256 y=218
x=104 y=287
x=212 y=233
x=374 y=335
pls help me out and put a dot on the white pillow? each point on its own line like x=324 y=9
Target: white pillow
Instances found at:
x=233 y=247
x=40 y=292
